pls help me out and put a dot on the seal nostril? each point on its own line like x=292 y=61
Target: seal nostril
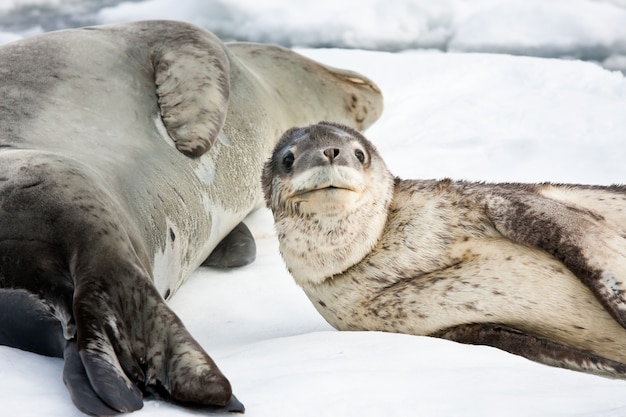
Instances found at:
x=331 y=153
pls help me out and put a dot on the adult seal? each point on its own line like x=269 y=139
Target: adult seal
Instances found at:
x=534 y=269
x=128 y=153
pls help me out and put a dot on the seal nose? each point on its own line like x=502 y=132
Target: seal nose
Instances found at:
x=331 y=153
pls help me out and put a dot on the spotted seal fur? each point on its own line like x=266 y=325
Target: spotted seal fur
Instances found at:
x=127 y=154
x=534 y=269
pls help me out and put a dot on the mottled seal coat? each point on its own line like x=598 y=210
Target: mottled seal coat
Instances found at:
x=533 y=269
x=128 y=152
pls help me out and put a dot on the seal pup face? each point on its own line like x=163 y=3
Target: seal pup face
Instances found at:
x=326 y=169
x=329 y=190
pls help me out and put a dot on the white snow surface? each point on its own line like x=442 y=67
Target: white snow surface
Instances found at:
x=477 y=116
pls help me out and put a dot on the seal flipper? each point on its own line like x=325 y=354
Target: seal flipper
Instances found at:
x=192 y=76
x=130 y=342
x=112 y=386
x=534 y=348
x=581 y=239
x=28 y=325
x=77 y=383
x=236 y=249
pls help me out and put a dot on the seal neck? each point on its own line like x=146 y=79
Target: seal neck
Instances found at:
x=318 y=246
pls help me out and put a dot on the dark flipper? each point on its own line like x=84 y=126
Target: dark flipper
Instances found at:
x=96 y=383
x=113 y=387
x=78 y=384
x=533 y=348
x=27 y=324
x=236 y=249
x=128 y=349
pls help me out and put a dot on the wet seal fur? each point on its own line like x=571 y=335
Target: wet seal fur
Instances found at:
x=129 y=154
x=534 y=269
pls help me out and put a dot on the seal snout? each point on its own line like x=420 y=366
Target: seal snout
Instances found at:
x=331 y=154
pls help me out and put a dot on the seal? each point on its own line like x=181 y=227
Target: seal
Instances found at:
x=534 y=269
x=129 y=155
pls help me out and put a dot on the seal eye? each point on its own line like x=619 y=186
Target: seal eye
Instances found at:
x=359 y=155
x=288 y=161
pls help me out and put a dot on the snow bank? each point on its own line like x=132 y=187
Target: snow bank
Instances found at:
x=586 y=29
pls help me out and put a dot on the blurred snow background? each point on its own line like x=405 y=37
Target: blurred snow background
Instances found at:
x=585 y=29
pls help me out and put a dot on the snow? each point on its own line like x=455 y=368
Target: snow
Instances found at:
x=587 y=29
x=558 y=27
x=478 y=116
x=575 y=28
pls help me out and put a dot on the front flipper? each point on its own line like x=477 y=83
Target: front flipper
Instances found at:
x=236 y=249
x=534 y=348
x=588 y=245
x=129 y=343
x=192 y=76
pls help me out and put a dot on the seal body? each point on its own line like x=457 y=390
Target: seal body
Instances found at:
x=534 y=269
x=128 y=153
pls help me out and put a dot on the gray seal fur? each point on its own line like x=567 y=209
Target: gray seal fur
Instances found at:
x=128 y=153
x=534 y=269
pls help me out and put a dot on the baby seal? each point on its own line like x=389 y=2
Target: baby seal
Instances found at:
x=534 y=269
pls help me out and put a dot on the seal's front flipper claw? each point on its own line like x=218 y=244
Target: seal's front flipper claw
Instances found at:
x=233 y=406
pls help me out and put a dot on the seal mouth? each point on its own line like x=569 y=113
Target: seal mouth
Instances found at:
x=322 y=182
x=326 y=188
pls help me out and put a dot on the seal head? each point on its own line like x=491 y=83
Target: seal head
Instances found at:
x=326 y=181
